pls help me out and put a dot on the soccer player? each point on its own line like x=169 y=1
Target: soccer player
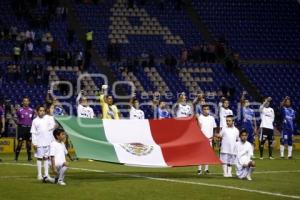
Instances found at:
x=266 y=127
x=208 y=126
x=41 y=140
x=224 y=111
x=135 y=111
x=58 y=109
x=58 y=153
x=83 y=109
x=109 y=110
x=244 y=152
x=229 y=135
x=248 y=119
x=182 y=109
x=288 y=116
x=25 y=115
x=162 y=111
x=198 y=102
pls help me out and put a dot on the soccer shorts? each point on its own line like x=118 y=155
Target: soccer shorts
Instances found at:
x=286 y=137
x=227 y=158
x=42 y=152
x=24 y=132
x=266 y=134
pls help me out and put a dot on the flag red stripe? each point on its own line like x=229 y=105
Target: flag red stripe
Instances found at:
x=182 y=142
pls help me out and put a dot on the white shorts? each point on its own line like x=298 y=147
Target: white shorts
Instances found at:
x=42 y=152
x=227 y=158
x=242 y=172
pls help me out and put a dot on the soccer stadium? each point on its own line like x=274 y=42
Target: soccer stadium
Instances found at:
x=149 y=99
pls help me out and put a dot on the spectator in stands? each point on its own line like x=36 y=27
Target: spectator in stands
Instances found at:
x=69 y=58
x=29 y=48
x=87 y=59
x=13 y=32
x=184 y=56
x=48 y=52
x=79 y=59
x=1 y=77
x=17 y=53
x=70 y=35
x=211 y=53
x=89 y=39
x=2 y=117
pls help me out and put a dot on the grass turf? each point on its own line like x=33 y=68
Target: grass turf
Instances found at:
x=97 y=180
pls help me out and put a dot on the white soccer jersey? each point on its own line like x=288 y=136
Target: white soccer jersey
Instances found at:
x=267 y=117
x=207 y=124
x=136 y=113
x=59 y=151
x=85 y=111
x=229 y=137
x=244 y=152
x=184 y=110
x=41 y=131
x=223 y=114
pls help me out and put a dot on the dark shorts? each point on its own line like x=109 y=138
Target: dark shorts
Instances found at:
x=24 y=132
x=266 y=134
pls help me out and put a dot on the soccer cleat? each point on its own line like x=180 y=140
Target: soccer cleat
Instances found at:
x=206 y=172
x=271 y=158
x=282 y=157
x=199 y=172
x=50 y=179
x=61 y=183
x=249 y=178
x=290 y=157
x=40 y=178
x=90 y=160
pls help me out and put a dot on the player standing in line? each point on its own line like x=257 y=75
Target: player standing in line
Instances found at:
x=224 y=111
x=41 y=140
x=182 y=109
x=162 y=111
x=83 y=109
x=135 y=111
x=266 y=127
x=244 y=152
x=208 y=126
x=109 y=110
x=25 y=115
x=248 y=120
x=198 y=102
x=288 y=116
x=229 y=135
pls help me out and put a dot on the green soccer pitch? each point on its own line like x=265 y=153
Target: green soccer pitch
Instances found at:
x=273 y=179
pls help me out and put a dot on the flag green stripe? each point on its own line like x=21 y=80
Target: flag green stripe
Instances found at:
x=90 y=144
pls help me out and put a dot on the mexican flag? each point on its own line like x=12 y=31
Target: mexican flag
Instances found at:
x=152 y=143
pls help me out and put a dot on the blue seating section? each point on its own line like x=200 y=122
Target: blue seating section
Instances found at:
x=257 y=29
x=276 y=81
x=96 y=18
x=57 y=27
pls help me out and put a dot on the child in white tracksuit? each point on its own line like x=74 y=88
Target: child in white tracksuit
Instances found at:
x=244 y=152
x=58 y=154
